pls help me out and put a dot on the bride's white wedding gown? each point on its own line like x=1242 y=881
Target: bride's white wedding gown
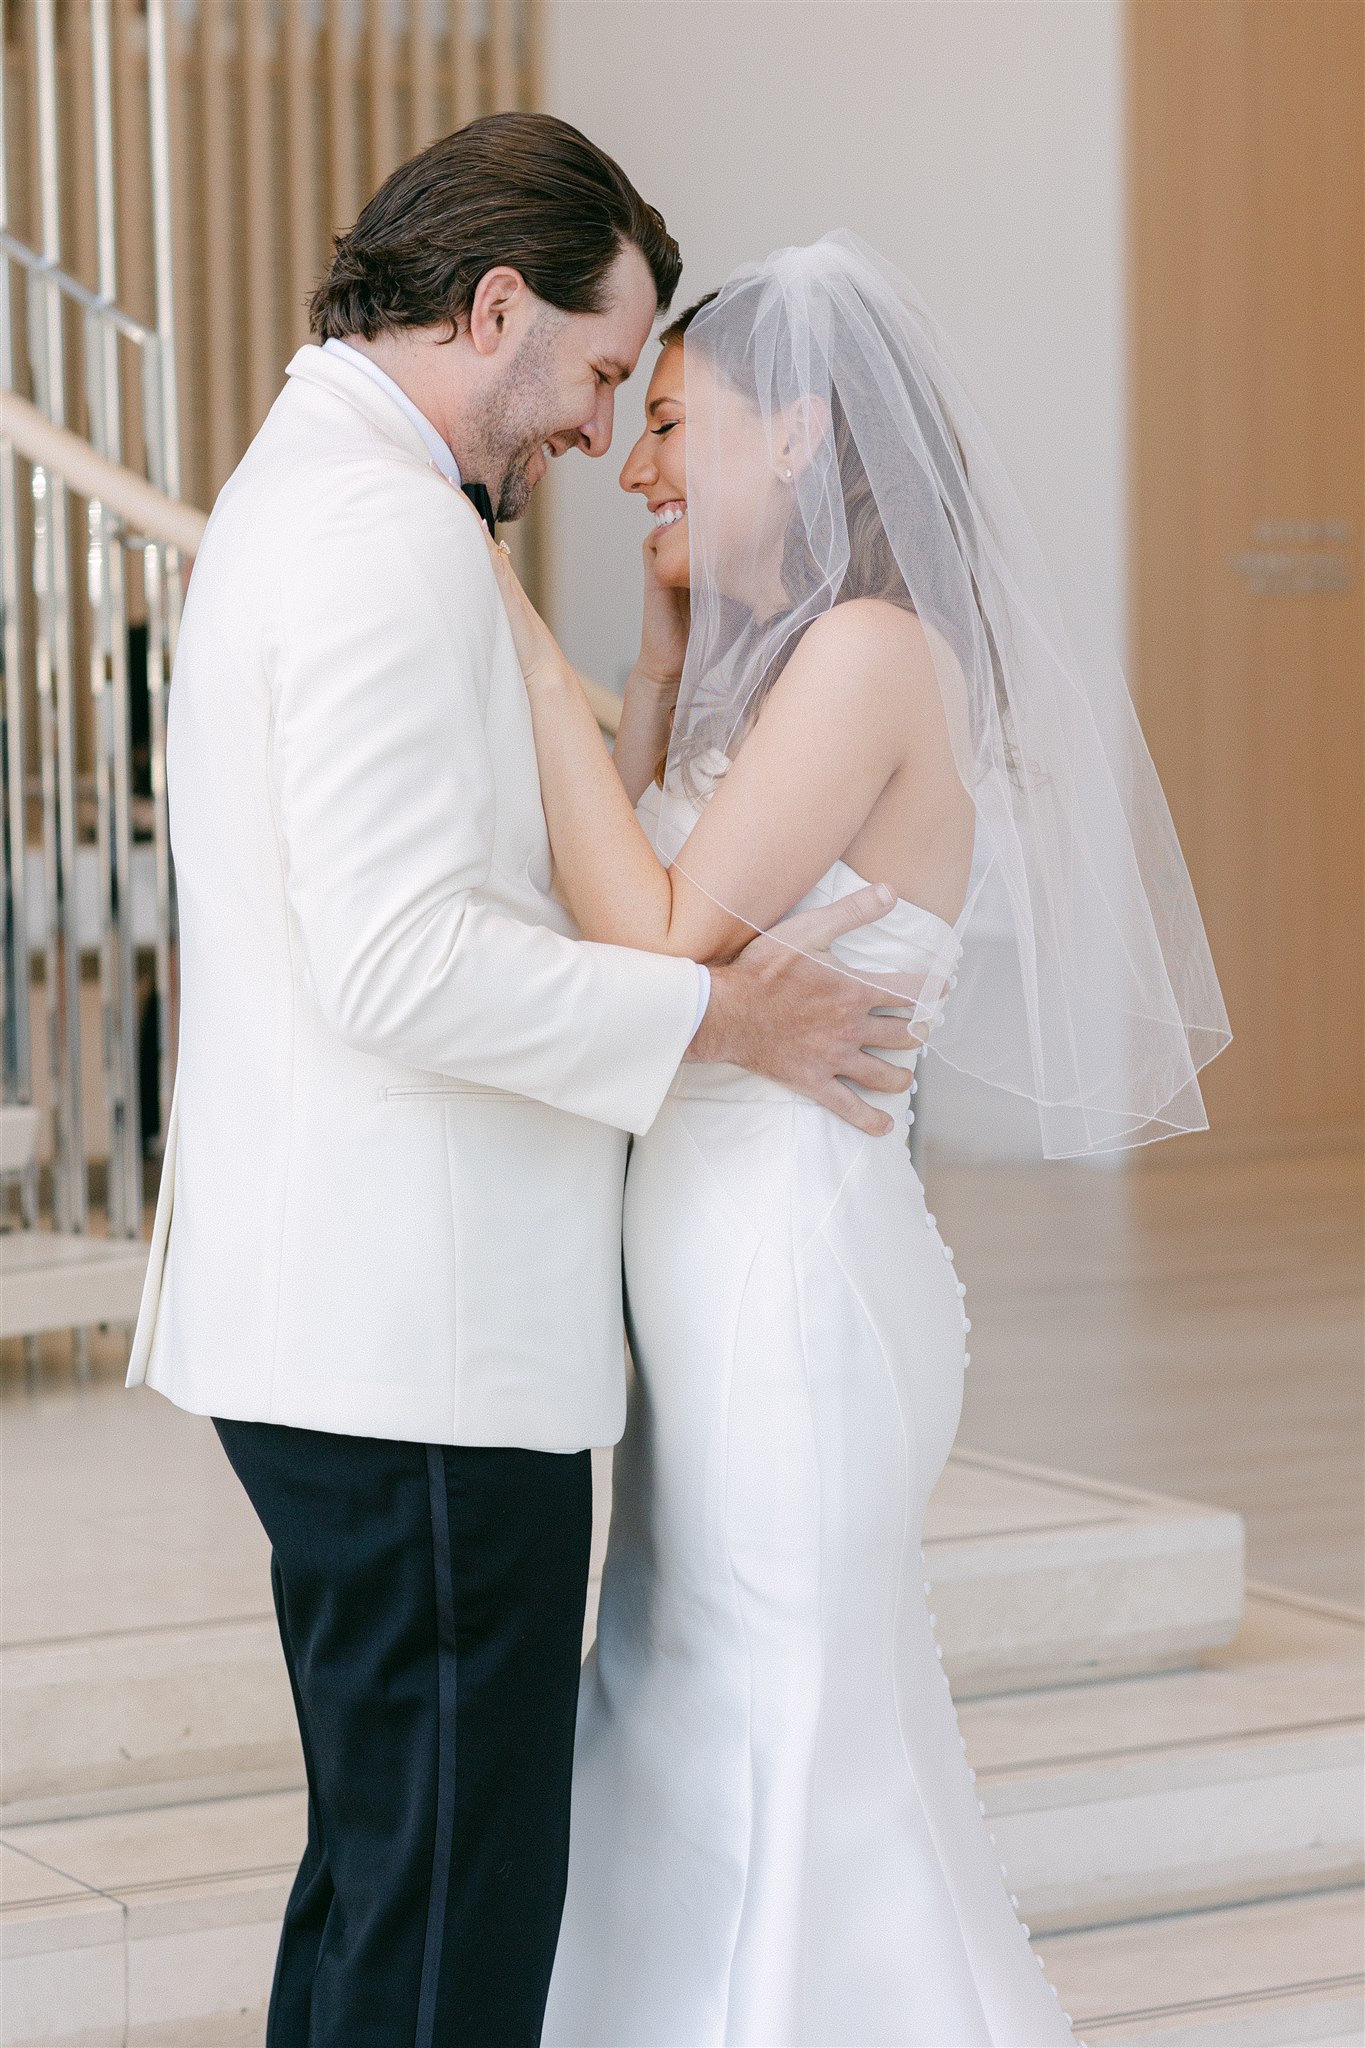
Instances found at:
x=776 y=1839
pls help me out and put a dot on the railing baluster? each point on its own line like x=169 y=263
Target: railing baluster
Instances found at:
x=109 y=677
x=55 y=667
x=134 y=227
x=186 y=231
x=220 y=316
x=79 y=138
x=166 y=595
x=18 y=960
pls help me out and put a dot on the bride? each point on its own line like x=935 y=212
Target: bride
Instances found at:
x=851 y=670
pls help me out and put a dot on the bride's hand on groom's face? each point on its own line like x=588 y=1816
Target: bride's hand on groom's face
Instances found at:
x=540 y=654
x=664 y=628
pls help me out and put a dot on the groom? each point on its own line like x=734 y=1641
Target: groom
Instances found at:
x=386 y=1255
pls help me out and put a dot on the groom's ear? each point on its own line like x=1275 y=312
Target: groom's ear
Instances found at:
x=500 y=309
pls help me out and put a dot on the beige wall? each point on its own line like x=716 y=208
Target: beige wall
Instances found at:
x=979 y=145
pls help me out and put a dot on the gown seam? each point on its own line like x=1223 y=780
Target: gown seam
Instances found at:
x=911 y=1772
x=795 y=1255
x=798 y=1296
x=817 y=1229
x=743 y=1630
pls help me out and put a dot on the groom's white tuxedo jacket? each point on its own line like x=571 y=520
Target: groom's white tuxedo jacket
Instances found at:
x=391 y=1197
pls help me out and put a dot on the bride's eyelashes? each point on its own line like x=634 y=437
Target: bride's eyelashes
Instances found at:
x=666 y=428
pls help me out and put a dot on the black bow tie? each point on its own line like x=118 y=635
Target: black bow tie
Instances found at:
x=478 y=497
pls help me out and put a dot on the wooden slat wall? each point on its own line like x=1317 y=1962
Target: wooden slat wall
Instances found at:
x=1247 y=162
x=287 y=116
x=342 y=159
x=303 y=182
x=260 y=132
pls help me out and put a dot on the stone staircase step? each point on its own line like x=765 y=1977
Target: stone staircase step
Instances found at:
x=142 y=1666
x=1041 y=1578
x=141 y=1659
x=1149 y=1795
x=159 y=1927
x=1134 y=1797
x=137 y=1927
x=145 y=1718
x=1283 y=1974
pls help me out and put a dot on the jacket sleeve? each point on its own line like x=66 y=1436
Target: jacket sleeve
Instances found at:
x=386 y=628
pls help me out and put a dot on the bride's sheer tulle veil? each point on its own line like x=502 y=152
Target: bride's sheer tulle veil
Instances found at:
x=832 y=452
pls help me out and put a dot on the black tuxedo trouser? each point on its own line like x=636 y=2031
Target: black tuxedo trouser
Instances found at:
x=430 y=1603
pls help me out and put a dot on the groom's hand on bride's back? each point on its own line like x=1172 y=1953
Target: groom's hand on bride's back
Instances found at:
x=776 y=1010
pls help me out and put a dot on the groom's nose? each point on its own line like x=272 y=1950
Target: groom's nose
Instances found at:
x=595 y=433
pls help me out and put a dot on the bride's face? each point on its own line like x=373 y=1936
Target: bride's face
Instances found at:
x=656 y=467
x=747 y=505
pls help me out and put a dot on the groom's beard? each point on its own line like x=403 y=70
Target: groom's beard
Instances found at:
x=518 y=420
x=515 y=495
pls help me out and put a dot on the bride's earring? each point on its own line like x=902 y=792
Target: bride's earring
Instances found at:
x=785 y=475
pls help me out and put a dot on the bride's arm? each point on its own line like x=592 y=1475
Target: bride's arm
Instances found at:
x=831 y=735
x=643 y=733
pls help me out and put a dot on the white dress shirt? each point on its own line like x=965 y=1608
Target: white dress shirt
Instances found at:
x=435 y=446
x=440 y=454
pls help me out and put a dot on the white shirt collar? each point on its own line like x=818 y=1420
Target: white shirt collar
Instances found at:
x=436 y=447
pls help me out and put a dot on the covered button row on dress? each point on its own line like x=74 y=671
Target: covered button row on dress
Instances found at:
x=934 y=1014
x=931 y=1021
x=971 y=1774
x=931 y=1223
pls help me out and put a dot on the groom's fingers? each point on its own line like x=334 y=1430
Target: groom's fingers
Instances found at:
x=895 y=1032
x=870 y=1072
x=839 y=1097
x=814 y=931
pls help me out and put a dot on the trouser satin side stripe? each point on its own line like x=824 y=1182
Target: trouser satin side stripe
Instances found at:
x=446 y=1715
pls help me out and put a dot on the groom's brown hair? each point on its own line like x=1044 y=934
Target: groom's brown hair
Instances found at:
x=522 y=189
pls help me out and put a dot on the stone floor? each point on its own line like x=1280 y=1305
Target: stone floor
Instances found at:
x=1175 y=1799
x=1190 y=1326
x=1191 y=1329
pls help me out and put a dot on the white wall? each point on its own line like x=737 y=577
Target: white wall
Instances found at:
x=978 y=144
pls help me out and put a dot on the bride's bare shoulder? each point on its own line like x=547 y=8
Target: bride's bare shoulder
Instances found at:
x=870 y=640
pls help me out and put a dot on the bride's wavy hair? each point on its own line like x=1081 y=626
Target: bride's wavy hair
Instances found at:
x=872 y=569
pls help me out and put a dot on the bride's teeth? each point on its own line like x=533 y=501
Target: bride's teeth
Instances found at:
x=670 y=515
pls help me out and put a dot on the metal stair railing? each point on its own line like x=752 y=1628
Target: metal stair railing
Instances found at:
x=89 y=887
x=73 y=798
x=145 y=510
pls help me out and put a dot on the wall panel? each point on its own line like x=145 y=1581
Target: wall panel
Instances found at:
x=1247 y=307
